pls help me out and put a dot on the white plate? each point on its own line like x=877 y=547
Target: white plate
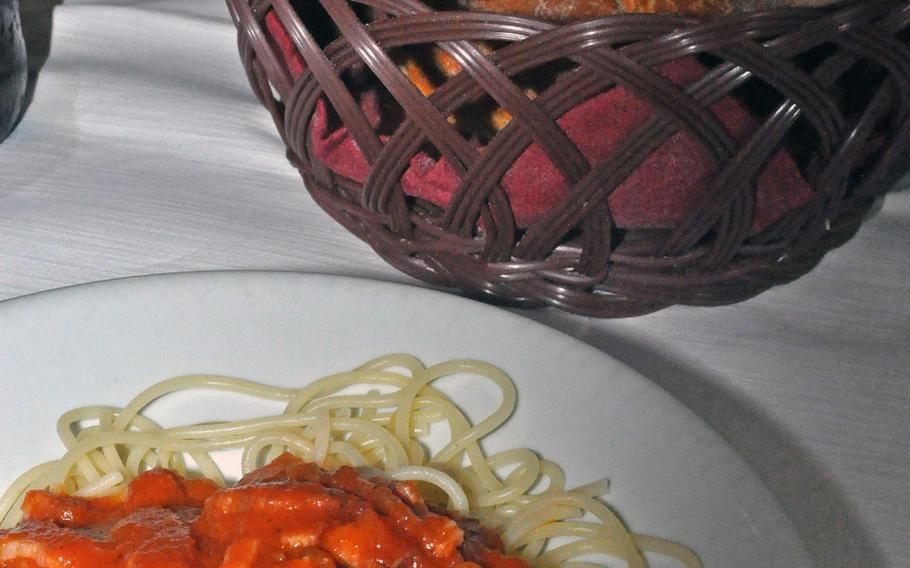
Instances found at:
x=101 y=343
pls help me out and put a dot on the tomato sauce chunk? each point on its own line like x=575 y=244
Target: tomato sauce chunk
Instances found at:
x=288 y=514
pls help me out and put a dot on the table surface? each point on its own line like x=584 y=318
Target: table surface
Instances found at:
x=144 y=151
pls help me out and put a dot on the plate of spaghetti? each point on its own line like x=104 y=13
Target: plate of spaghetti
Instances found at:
x=261 y=419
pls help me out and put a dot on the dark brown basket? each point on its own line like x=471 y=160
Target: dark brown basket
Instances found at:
x=828 y=90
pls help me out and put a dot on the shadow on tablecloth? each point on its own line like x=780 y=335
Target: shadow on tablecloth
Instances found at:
x=830 y=527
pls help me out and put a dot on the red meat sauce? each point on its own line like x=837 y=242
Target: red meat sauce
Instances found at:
x=289 y=514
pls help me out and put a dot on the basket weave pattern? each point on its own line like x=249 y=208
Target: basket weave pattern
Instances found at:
x=574 y=256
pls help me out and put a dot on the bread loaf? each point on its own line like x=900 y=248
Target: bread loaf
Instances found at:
x=573 y=10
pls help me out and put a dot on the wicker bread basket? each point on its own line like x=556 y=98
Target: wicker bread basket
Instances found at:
x=757 y=142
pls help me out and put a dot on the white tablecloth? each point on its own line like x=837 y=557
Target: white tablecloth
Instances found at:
x=144 y=151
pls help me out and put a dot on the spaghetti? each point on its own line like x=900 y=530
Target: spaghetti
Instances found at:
x=378 y=417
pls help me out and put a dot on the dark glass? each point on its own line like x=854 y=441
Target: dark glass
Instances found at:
x=13 y=72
